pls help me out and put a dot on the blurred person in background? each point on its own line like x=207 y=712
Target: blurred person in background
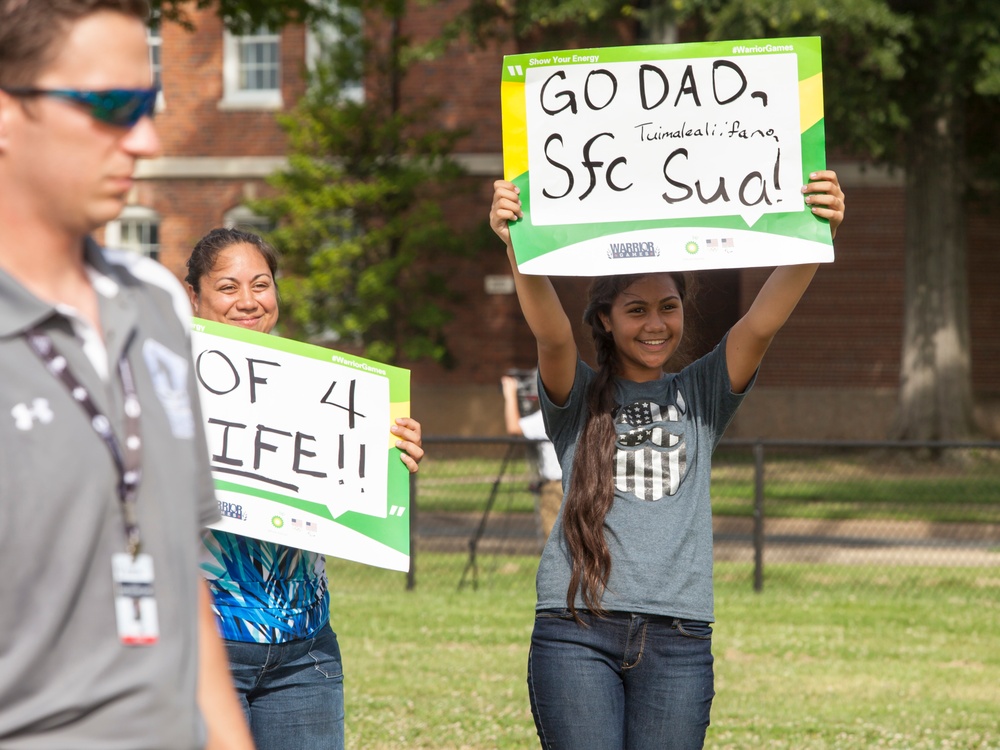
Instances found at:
x=549 y=491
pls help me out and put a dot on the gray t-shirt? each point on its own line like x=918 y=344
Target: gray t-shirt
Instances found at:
x=659 y=528
x=66 y=680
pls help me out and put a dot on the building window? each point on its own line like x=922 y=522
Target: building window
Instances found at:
x=137 y=229
x=259 y=61
x=323 y=39
x=155 y=40
x=243 y=218
x=251 y=70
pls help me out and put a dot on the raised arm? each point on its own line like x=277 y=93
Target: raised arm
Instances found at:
x=752 y=335
x=511 y=412
x=540 y=304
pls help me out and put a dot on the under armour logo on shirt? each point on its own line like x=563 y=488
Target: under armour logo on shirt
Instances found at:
x=25 y=416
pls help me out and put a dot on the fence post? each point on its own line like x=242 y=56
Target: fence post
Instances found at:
x=758 y=516
x=411 y=574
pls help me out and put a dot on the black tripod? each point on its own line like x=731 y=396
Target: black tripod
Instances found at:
x=473 y=563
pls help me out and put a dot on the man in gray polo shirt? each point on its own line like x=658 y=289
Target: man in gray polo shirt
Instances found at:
x=104 y=482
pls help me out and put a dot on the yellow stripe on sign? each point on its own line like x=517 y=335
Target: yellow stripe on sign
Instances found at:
x=515 y=129
x=397 y=409
x=810 y=101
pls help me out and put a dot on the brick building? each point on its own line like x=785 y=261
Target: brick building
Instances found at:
x=833 y=372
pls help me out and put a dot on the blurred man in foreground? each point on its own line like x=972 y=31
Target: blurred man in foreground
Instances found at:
x=106 y=637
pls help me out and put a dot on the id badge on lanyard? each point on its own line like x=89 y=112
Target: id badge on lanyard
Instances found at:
x=131 y=571
x=135 y=604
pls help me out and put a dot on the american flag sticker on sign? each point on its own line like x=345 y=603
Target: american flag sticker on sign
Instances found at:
x=725 y=243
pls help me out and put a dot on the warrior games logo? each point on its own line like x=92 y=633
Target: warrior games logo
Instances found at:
x=617 y=250
x=232 y=510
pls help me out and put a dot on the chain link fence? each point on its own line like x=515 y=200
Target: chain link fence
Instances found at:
x=874 y=509
x=475 y=508
x=781 y=508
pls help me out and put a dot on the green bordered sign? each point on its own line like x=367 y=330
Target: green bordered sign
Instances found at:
x=300 y=445
x=665 y=157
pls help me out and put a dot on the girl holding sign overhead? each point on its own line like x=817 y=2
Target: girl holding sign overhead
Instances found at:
x=621 y=651
x=271 y=602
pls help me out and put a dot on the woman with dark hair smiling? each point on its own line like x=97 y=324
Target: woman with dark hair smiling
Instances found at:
x=271 y=602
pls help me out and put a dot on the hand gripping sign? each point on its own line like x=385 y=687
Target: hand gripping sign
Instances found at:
x=666 y=157
x=300 y=446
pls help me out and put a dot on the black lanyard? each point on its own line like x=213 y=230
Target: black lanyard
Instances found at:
x=128 y=460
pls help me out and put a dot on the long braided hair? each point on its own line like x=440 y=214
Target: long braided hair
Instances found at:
x=591 y=487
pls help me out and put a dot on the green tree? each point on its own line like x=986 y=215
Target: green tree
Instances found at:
x=906 y=78
x=364 y=241
x=910 y=83
x=241 y=15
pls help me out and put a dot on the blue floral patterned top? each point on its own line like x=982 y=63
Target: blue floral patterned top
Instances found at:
x=264 y=592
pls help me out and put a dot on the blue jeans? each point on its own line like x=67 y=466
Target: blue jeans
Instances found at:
x=622 y=682
x=292 y=693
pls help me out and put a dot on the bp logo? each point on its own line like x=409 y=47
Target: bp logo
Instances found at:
x=691 y=247
x=277 y=521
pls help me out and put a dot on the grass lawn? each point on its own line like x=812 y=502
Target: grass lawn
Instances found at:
x=815 y=661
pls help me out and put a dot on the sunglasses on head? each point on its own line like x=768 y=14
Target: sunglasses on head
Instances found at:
x=122 y=107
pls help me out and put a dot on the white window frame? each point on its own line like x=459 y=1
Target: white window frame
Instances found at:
x=318 y=39
x=235 y=97
x=154 y=38
x=242 y=217
x=113 y=232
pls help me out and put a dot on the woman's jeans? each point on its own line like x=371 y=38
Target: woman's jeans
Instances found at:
x=621 y=682
x=292 y=693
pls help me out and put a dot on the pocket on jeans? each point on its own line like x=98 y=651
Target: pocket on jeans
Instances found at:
x=325 y=654
x=695 y=629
